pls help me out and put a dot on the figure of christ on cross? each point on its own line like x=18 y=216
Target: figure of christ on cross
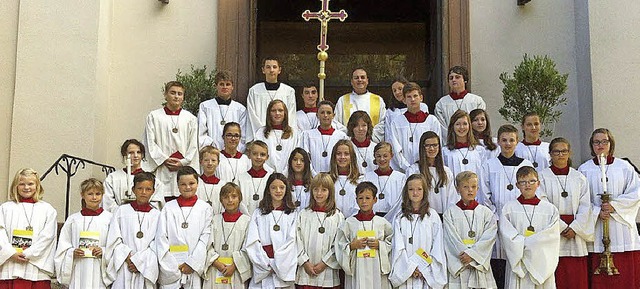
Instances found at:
x=324 y=16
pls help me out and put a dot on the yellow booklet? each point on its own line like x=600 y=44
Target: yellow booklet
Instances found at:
x=88 y=240
x=366 y=252
x=528 y=233
x=221 y=279
x=21 y=239
x=424 y=255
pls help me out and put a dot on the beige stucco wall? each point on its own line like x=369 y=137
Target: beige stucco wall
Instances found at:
x=86 y=75
x=615 y=66
x=502 y=32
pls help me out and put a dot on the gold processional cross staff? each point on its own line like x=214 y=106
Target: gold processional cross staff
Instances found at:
x=324 y=15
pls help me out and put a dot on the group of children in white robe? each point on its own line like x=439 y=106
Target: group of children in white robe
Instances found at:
x=337 y=207
x=186 y=246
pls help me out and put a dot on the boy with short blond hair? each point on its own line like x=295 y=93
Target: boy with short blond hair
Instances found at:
x=470 y=232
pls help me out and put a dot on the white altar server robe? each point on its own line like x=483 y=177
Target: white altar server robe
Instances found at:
x=42 y=250
x=233 y=235
x=161 y=143
x=210 y=116
x=446 y=195
x=122 y=241
x=279 y=271
x=457 y=224
x=447 y=106
x=258 y=100
x=493 y=192
x=365 y=154
x=278 y=160
x=210 y=194
x=405 y=151
x=577 y=203
x=315 y=144
x=250 y=187
x=476 y=156
x=117 y=192
x=316 y=247
x=532 y=260
x=170 y=233
x=388 y=186
x=624 y=187
x=536 y=154
x=81 y=272
x=229 y=168
x=346 y=203
x=427 y=234
x=370 y=273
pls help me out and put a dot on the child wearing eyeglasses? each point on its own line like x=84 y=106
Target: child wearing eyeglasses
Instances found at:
x=530 y=234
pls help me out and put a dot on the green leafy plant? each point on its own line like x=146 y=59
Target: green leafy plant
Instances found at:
x=199 y=86
x=534 y=86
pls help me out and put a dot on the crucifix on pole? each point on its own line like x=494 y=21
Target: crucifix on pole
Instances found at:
x=324 y=15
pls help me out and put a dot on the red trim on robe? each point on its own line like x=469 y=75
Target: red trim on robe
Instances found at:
x=610 y=159
x=380 y=173
x=231 y=217
x=134 y=172
x=298 y=182
x=257 y=173
x=310 y=109
x=418 y=117
x=236 y=156
x=27 y=200
x=535 y=143
x=187 y=202
x=141 y=208
x=211 y=180
x=533 y=201
x=567 y=218
x=177 y=155
x=560 y=171
x=363 y=144
x=461 y=145
x=90 y=212
x=277 y=126
x=472 y=205
x=458 y=96
x=269 y=250
x=326 y=131
x=360 y=216
x=167 y=111
x=319 y=209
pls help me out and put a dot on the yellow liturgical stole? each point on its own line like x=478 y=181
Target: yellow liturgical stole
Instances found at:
x=374 y=107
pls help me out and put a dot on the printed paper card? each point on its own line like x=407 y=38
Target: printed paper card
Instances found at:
x=180 y=252
x=88 y=240
x=528 y=233
x=468 y=242
x=220 y=278
x=21 y=240
x=366 y=252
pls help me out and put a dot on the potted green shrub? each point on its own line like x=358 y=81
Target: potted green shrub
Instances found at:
x=535 y=86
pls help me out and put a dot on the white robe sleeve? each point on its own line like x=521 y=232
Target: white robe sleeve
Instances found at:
x=484 y=196
x=154 y=151
x=253 y=246
x=6 y=250
x=285 y=262
x=203 y=130
x=64 y=253
x=537 y=254
x=402 y=266
x=346 y=258
x=627 y=203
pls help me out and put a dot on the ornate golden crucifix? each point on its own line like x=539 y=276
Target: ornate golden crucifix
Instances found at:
x=324 y=15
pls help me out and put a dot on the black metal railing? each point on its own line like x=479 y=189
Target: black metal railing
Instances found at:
x=69 y=165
